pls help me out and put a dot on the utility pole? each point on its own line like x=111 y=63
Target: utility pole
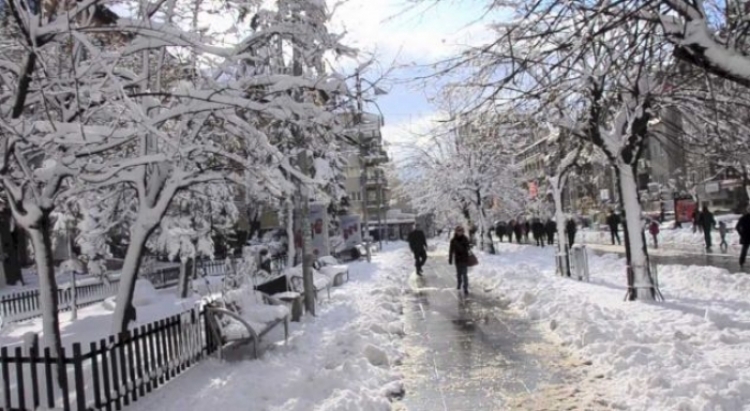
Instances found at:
x=363 y=161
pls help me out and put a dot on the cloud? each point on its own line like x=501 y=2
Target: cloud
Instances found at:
x=390 y=28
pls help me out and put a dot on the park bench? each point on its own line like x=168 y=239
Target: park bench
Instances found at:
x=297 y=283
x=332 y=268
x=245 y=316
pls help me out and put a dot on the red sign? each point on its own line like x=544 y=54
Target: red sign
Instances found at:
x=684 y=210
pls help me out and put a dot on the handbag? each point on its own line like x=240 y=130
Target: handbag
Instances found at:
x=472 y=260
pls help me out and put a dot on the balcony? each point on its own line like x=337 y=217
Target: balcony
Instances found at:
x=375 y=181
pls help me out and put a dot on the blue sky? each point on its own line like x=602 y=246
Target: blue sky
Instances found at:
x=409 y=38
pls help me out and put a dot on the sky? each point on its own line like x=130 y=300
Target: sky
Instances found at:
x=406 y=39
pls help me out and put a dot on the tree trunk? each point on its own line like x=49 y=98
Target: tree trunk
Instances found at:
x=557 y=183
x=124 y=310
x=307 y=256
x=643 y=285
x=484 y=233
x=9 y=251
x=186 y=269
x=40 y=238
x=291 y=248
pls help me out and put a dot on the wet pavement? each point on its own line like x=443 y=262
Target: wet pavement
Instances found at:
x=467 y=353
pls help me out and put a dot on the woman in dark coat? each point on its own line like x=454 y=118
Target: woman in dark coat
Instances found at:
x=459 y=253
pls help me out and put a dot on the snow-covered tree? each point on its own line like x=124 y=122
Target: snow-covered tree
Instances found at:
x=468 y=171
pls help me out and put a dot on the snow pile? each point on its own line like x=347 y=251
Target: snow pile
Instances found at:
x=690 y=353
x=338 y=361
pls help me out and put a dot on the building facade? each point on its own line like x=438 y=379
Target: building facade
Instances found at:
x=366 y=184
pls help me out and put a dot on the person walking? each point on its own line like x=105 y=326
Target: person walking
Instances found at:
x=743 y=229
x=458 y=252
x=653 y=228
x=613 y=222
x=537 y=229
x=723 y=235
x=526 y=231
x=418 y=246
x=551 y=228
x=707 y=222
x=518 y=231
x=500 y=230
x=570 y=230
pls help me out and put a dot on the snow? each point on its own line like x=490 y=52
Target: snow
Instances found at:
x=338 y=361
x=253 y=308
x=688 y=353
x=94 y=322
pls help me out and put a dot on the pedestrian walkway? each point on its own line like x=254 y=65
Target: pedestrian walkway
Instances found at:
x=468 y=353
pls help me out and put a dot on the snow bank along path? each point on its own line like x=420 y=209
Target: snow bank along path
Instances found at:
x=339 y=361
x=689 y=353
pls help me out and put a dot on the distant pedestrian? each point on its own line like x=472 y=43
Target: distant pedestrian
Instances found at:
x=418 y=246
x=723 y=235
x=458 y=252
x=613 y=222
x=743 y=229
x=518 y=231
x=537 y=229
x=570 y=230
x=707 y=222
x=526 y=231
x=653 y=228
x=500 y=229
x=551 y=228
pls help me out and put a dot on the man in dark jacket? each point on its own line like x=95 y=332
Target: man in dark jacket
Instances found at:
x=458 y=252
x=743 y=229
x=613 y=221
x=500 y=230
x=537 y=229
x=518 y=230
x=418 y=246
x=551 y=228
x=707 y=222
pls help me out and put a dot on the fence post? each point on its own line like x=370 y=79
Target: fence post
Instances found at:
x=73 y=296
x=78 y=377
x=6 y=378
x=207 y=333
x=31 y=343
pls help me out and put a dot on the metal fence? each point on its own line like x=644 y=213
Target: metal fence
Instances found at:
x=108 y=374
x=23 y=305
